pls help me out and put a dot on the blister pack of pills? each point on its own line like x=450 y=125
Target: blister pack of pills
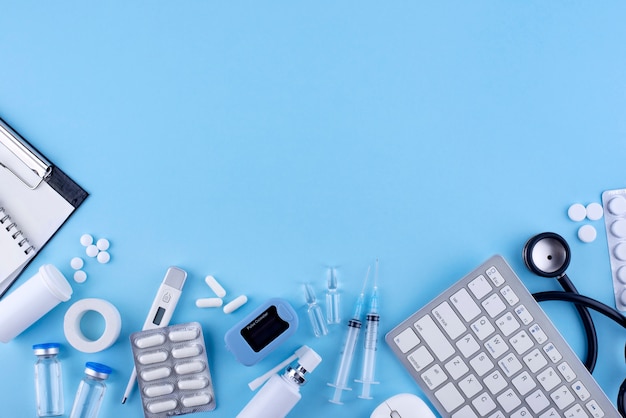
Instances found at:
x=173 y=370
x=614 y=202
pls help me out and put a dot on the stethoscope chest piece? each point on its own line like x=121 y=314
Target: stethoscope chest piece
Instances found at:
x=547 y=254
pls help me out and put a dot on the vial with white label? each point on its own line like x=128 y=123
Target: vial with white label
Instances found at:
x=90 y=391
x=48 y=380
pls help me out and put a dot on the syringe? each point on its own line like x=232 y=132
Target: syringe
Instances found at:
x=371 y=341
x=347 y=354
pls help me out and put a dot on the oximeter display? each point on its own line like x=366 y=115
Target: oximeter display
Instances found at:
x=264 y=329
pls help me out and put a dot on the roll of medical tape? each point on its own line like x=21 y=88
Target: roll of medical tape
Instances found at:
x=74 y=315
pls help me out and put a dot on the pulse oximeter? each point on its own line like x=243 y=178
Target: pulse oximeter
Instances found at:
x=260 y=332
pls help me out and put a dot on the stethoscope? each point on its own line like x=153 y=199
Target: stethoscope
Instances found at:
x=548 y=255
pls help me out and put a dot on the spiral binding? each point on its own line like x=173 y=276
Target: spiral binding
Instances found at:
x=16 y=234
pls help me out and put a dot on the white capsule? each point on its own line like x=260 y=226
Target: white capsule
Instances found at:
x=80 y=276
x=150 y=341
x=77 y=263
x=197 y=400
x=152 y=357
x=209 y=302
x=103 y=257
x=183 y=335
x=86 y=240
x=91 y=250
x=163 y=406
x=154 y=374
x=215 y=286
x=235 y=304
x=103 y=244
x=191 y=367
x=188 y=351
x=159 y=390
x=192 y=384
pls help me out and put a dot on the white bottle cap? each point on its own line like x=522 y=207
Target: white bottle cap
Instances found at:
x=310 y=360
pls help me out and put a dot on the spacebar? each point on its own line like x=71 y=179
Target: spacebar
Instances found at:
x=436 y=340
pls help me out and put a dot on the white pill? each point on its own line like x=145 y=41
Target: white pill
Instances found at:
x=209 y=302
x=150 y=341
x=192 y=384
x=103 y=257
x=80 y=276
x=215 y=286
x=617 y=205
x=91 y=250
x=620 y=251
x=184 y=352
x=577 y=212
x=163 y=406
x=86 y=240
x=197 y=400
x=594 y=211
x=154 y=374
x=587 y=233
x=159 y=390
x=77 y=263
x=103 y=244
x=237 y=303
x=621 y=274
x=618 y=228
x=183 y=335
x=191 y=367
x=152 y=357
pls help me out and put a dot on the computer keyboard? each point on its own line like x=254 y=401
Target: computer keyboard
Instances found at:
x=485 y=348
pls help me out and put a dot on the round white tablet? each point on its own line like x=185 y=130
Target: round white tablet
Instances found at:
x=617 y=205
x=620 y=251
x=587 y=233
x=103 y=257
x=77 y=263
x=594 y=211
x=618 y=228
x=103 y=244
x=80 y=276
x=86 y=240
x=577 y=212
x=620 y=274
x=91 y=250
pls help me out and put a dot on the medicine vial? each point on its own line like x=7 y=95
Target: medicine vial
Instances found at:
x=48 y=380
x=90 y=391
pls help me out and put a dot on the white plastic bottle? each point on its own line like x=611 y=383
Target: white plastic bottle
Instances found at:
x=48 y=380
x=90 y=391
x=281 y=393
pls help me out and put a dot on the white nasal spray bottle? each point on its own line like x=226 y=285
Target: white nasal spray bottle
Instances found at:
x=281 y=393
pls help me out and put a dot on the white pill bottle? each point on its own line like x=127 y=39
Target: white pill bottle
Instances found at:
x=32 y=300
x=281 y=393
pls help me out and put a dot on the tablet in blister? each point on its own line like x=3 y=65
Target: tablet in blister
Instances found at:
x=173 y=370
x=614 y=202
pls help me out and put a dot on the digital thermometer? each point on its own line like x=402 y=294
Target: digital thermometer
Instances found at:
x=161 y=310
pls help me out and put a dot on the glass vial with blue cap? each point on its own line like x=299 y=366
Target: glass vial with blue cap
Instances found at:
x=48 y=380
x=90 y=391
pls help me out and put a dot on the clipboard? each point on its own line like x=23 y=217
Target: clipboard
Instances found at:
x=36 y=199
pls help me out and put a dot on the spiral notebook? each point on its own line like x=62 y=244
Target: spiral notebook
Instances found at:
x=36 y=198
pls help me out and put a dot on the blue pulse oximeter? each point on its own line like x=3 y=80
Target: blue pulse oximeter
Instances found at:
x=259 y=333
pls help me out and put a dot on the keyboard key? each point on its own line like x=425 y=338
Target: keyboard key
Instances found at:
x=537 y=401
x=493 y=305
x=450 y=397
x=420 y=358
x=549 y=379
x=521 y=413
x=509 y=295
x=509 y=400
x=448 y=320
x=482 y=328
x=576 y=411
x=456 y=368
x=562 y=397
x=406 y=340
x=436 y=340
x=496 y=346
x=484 y=404
x=552 y=352
x=497 y=414
x=434 y=376
x=524 y=383
x=495 y=276
x=495 y=382
x=464 y=303
x=480 y=287
x=510 y=365
x=521 y=342
x=581 y=391
x=470 y=385
x=507 y=324
x=538 y=334
x=467 y=345
x=465 y=412
x=524 y=315
x=594 y=409
x=535 y=360
x=566 y=371
x=550 y=413
x=481 y=364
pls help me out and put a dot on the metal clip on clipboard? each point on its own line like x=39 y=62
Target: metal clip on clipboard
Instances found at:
x=22 y=150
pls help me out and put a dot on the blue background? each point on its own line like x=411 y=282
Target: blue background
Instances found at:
x=262 y=143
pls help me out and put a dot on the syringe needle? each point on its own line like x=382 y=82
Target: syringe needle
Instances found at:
x=347 y=354
x=371 y=341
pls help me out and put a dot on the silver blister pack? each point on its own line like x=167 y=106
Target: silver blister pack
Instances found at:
x=173 y=370
x=614 y=202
